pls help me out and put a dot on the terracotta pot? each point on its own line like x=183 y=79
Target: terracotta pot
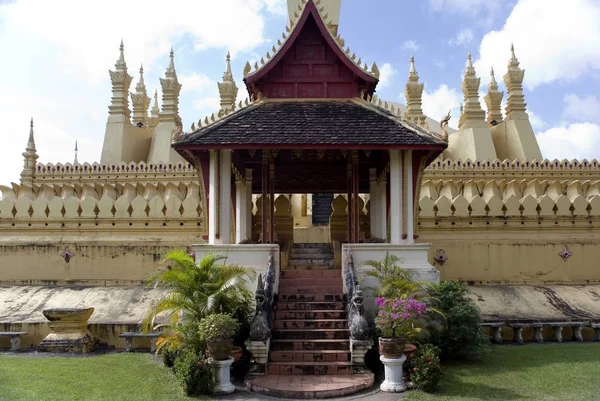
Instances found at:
x=409 y=350
x=236 y=353
x=220 y=351
x=392 y=348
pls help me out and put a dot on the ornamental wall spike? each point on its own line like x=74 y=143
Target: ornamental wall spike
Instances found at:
x=299 y=8
x=375 y=70
x=283 y=36
x=240 y=105
x=348 y=50
x=379 y=102
x=247 y=101
x=200 y=123
x=366 y=67
x=247 y=69
x=255 y=66
x=193 y=127
x=206 y=120
x=385 y=105
x=274 y=50
x=279 y=43
x=359 y=62
x=268 y=56
x=296 y=16
x=262 y=61
x=321 y=10
x=318 y=2
x=326 y=16
x=353 y=57
x=212 y=117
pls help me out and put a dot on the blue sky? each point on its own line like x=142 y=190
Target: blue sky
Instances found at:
x=56 y=56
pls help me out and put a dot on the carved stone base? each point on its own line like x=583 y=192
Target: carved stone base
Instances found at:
x=358 y=350
x=260 y=355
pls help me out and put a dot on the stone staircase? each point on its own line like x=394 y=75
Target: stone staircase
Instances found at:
x=310 y=333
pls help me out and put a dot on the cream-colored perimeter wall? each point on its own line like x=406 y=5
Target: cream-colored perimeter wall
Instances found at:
x=101 y=259
x=516 y=255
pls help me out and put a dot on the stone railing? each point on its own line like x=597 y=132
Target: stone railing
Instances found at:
x=114 y=172
x=100 y=202
x=538 y=327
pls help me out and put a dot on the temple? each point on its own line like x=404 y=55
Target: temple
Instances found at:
x=309 y=177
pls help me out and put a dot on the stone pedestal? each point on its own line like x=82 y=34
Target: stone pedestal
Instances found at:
x=69 y=330
x=260 y=355
x=222 y=377
x=394 y=383
x=358 y=349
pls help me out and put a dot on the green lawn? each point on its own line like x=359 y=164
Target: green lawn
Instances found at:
x=112 y=377
x=548 y=372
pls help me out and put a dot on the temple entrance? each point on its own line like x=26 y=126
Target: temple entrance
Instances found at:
x=321 y=209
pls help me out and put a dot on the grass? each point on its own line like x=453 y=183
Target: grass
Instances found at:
x=114 y=377
x=548 y=372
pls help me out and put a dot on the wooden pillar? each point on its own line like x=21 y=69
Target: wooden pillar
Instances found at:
x=225 y=198
x=213 y=198
x=272 y=204
x=248 y=200
x=374 y=215
x=355 y=199
x=396 y=207
x=265 y=186
x=241 y=211
x=350 y=214
x=409 y=197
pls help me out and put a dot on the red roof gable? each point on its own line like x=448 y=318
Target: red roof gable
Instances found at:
x=310 y=64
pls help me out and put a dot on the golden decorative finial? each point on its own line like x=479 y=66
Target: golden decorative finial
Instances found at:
x=247 y=69
x=375 y=70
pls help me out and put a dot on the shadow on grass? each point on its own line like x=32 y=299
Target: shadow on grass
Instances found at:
x=453 y=386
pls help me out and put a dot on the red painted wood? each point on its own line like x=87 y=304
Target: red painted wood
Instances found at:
x=355 y=199
x=350 y=217
x=264 y=183
x=272 y=204
x=311 y=66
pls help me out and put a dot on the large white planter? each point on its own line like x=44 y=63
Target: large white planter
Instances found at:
x=222 y=377
x=394 y=382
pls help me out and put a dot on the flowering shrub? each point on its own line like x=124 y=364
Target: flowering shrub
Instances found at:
x=426 y=370
x=398 y=317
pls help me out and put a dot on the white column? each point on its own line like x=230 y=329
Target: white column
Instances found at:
x=410 y=210
x=241 y=210
x=395 y=197
x=212 y=198
x=374 y=213
x=249 y=203
x=382 y=208
x=225 y=198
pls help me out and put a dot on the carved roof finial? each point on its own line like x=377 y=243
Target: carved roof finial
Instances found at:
x=121 y=59
x=493 y=99
x=516 y=108
x=30 y=157
x=76 y=161
x=170 y=91
x=470 y=88
x=171 y=69
x=155 y=109
x=121 y=81
x=413 y=92
x=140 y=100
x=228 y=90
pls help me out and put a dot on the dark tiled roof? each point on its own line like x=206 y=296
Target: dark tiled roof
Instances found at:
x=336 y=122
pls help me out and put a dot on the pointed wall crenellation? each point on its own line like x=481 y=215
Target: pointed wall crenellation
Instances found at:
x=470 y=87
x=413 y=92
x=493 y=100
x=516 y=108
x=228 y=89
x=30 y=157
x=121 y=81
x=140 y=101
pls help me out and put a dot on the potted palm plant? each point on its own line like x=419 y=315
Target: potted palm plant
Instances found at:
x=194 y=291
x=218 y=331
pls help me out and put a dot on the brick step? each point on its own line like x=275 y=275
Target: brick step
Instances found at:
x=309 y=356
x=308 y=282
x=310 y=345
x=309 y=314
x=310 y=334
x=339 y=297
x=311 y=262
x=291 y=290
x=330 y=273
x=312 y=245
x=310 y=324
x=312 y=268
x=310 y=305
x=311 y=255
x=309 y=368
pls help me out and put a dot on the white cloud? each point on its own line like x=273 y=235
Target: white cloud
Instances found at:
x=410 y=45
x=60 y=52
x=575 y=141
x=386 y=74
x=437 y=103
x=464 y=37
x=537 y=123
x=439 y=64
x=582 y=108
x=553 y=41
x=463 y=6
x=86 y=34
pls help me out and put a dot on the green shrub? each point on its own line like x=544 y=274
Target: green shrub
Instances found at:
x=458 y=333
x=168 y=357
x=426 y=370
x=218 y=327
x=193 y=373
